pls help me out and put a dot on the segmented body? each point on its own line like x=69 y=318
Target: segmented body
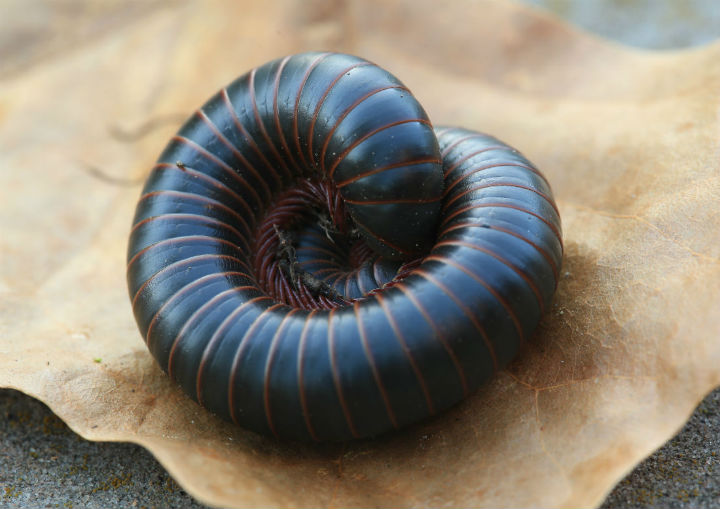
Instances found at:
x=479 y=213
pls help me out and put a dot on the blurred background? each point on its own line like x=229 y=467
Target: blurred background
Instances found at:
x=650 y=24
x=44 y=464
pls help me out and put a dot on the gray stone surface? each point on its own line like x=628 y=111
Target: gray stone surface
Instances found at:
x=44 y=464
x=683 y=473
x=651 y=24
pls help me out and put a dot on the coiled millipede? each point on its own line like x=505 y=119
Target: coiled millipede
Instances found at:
x=256 y=286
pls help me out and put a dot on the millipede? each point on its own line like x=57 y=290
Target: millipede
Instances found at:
x=311 y=259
